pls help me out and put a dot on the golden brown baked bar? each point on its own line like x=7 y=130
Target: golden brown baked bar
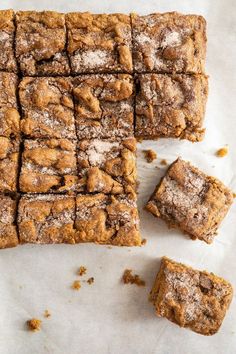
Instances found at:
x=7 y=32
x=107 y=166
x=169 y=42
x=9 y=164
x=103 y=105
x=190 y=298
x=41 y=43
x=48 y=165
x=46 y=219
x=170 y=106
x=190 y=200
x=47 y=106
x=107 y=219
x=8 y=233
x=99 y=43
x=9 y=115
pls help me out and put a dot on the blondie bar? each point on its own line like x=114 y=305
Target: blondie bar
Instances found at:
x=41 y=43
x=7 y=33
x=46 y=219
x=48 y=165
x=107 y=219
x=190 y=298
x=104 y=106
x=171 y=106
x=169 y=42
x=189 y=199
x=8 y=233
x=99 y=43
x=9 y=164
x=47 y=106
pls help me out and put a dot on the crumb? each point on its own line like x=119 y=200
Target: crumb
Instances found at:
x=76 y=285
x=128 y=278
x=234 y=195
x=82 y=270
x=109 y=247
x=34 y=324
x=163 y=162
x=150 y=155
x=139 y=139
x=143 y=242
x=222 y=152
x=47 y=314
x=90 y=280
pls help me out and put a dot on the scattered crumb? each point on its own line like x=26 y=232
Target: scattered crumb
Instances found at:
x=76 y=285
x=150 y=155
x=82 y=270
x=34 y=324
x=139 y=139
x=47 y=314
x=222 y=152
x=163 y=162
x=234 y=195
x=109 y=247
x=90 y=280
x=143 y=242
x=128 y=278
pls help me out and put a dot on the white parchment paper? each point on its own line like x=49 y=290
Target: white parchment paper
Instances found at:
x=109 y=317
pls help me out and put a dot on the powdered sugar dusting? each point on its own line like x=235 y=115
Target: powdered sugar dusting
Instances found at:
x=97 y=150
x=91 y=58
x=171 y=39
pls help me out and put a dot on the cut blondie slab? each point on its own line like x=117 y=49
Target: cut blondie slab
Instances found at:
x=190 y=298
x=47 y=105
x=171 y=106
x=8 y=233
x=9 y=164
x=190 y=200
x=48 y=165
x=107 y=219
x=169 y=42
x=107 y=166
x=9 y=114
x=46 y=219
x=7 y=33
x=99 y=43
x=104 y=106
x=41 y=43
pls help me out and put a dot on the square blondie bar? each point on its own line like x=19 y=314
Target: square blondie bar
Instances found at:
x=8 y=232
x=9 y=164
x=104 y=106
x=170 y=106
x=47 y=107
x=169 y=42
x=190 y=200
x=48 y=165
x=7 y=33
x=190 y=298
x=99 y=43
x=41 y=43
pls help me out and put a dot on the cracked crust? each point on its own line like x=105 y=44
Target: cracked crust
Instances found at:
x=8 y=233
x=7 y=30
x=9 y=115
x=107 y=166
x=191 y=298
x=48 y=166
x=190 y=200
x=46 y=219
x=171 y=106
x=41 y=43
x=107 y=219
x=99 y=43
x=9 y=164
x=104 y=105
x=48 y=109
x=169 y=42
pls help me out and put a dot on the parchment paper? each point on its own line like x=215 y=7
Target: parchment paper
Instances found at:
x=109 y=317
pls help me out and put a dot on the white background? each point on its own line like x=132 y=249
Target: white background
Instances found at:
x=109 y=317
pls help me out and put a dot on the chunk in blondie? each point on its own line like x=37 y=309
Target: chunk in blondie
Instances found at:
x=7 y=32
x=107 y=166
x=171 y=106
x=48 y=165
x=8 y=233
x=169 y=42
x=9 y=164
x=104 y=106
x=46 y=219
x=99 y=43
x=107 y=219
x=190 y=200
x=41 y=43
x=47 y=105
x=191 y=298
